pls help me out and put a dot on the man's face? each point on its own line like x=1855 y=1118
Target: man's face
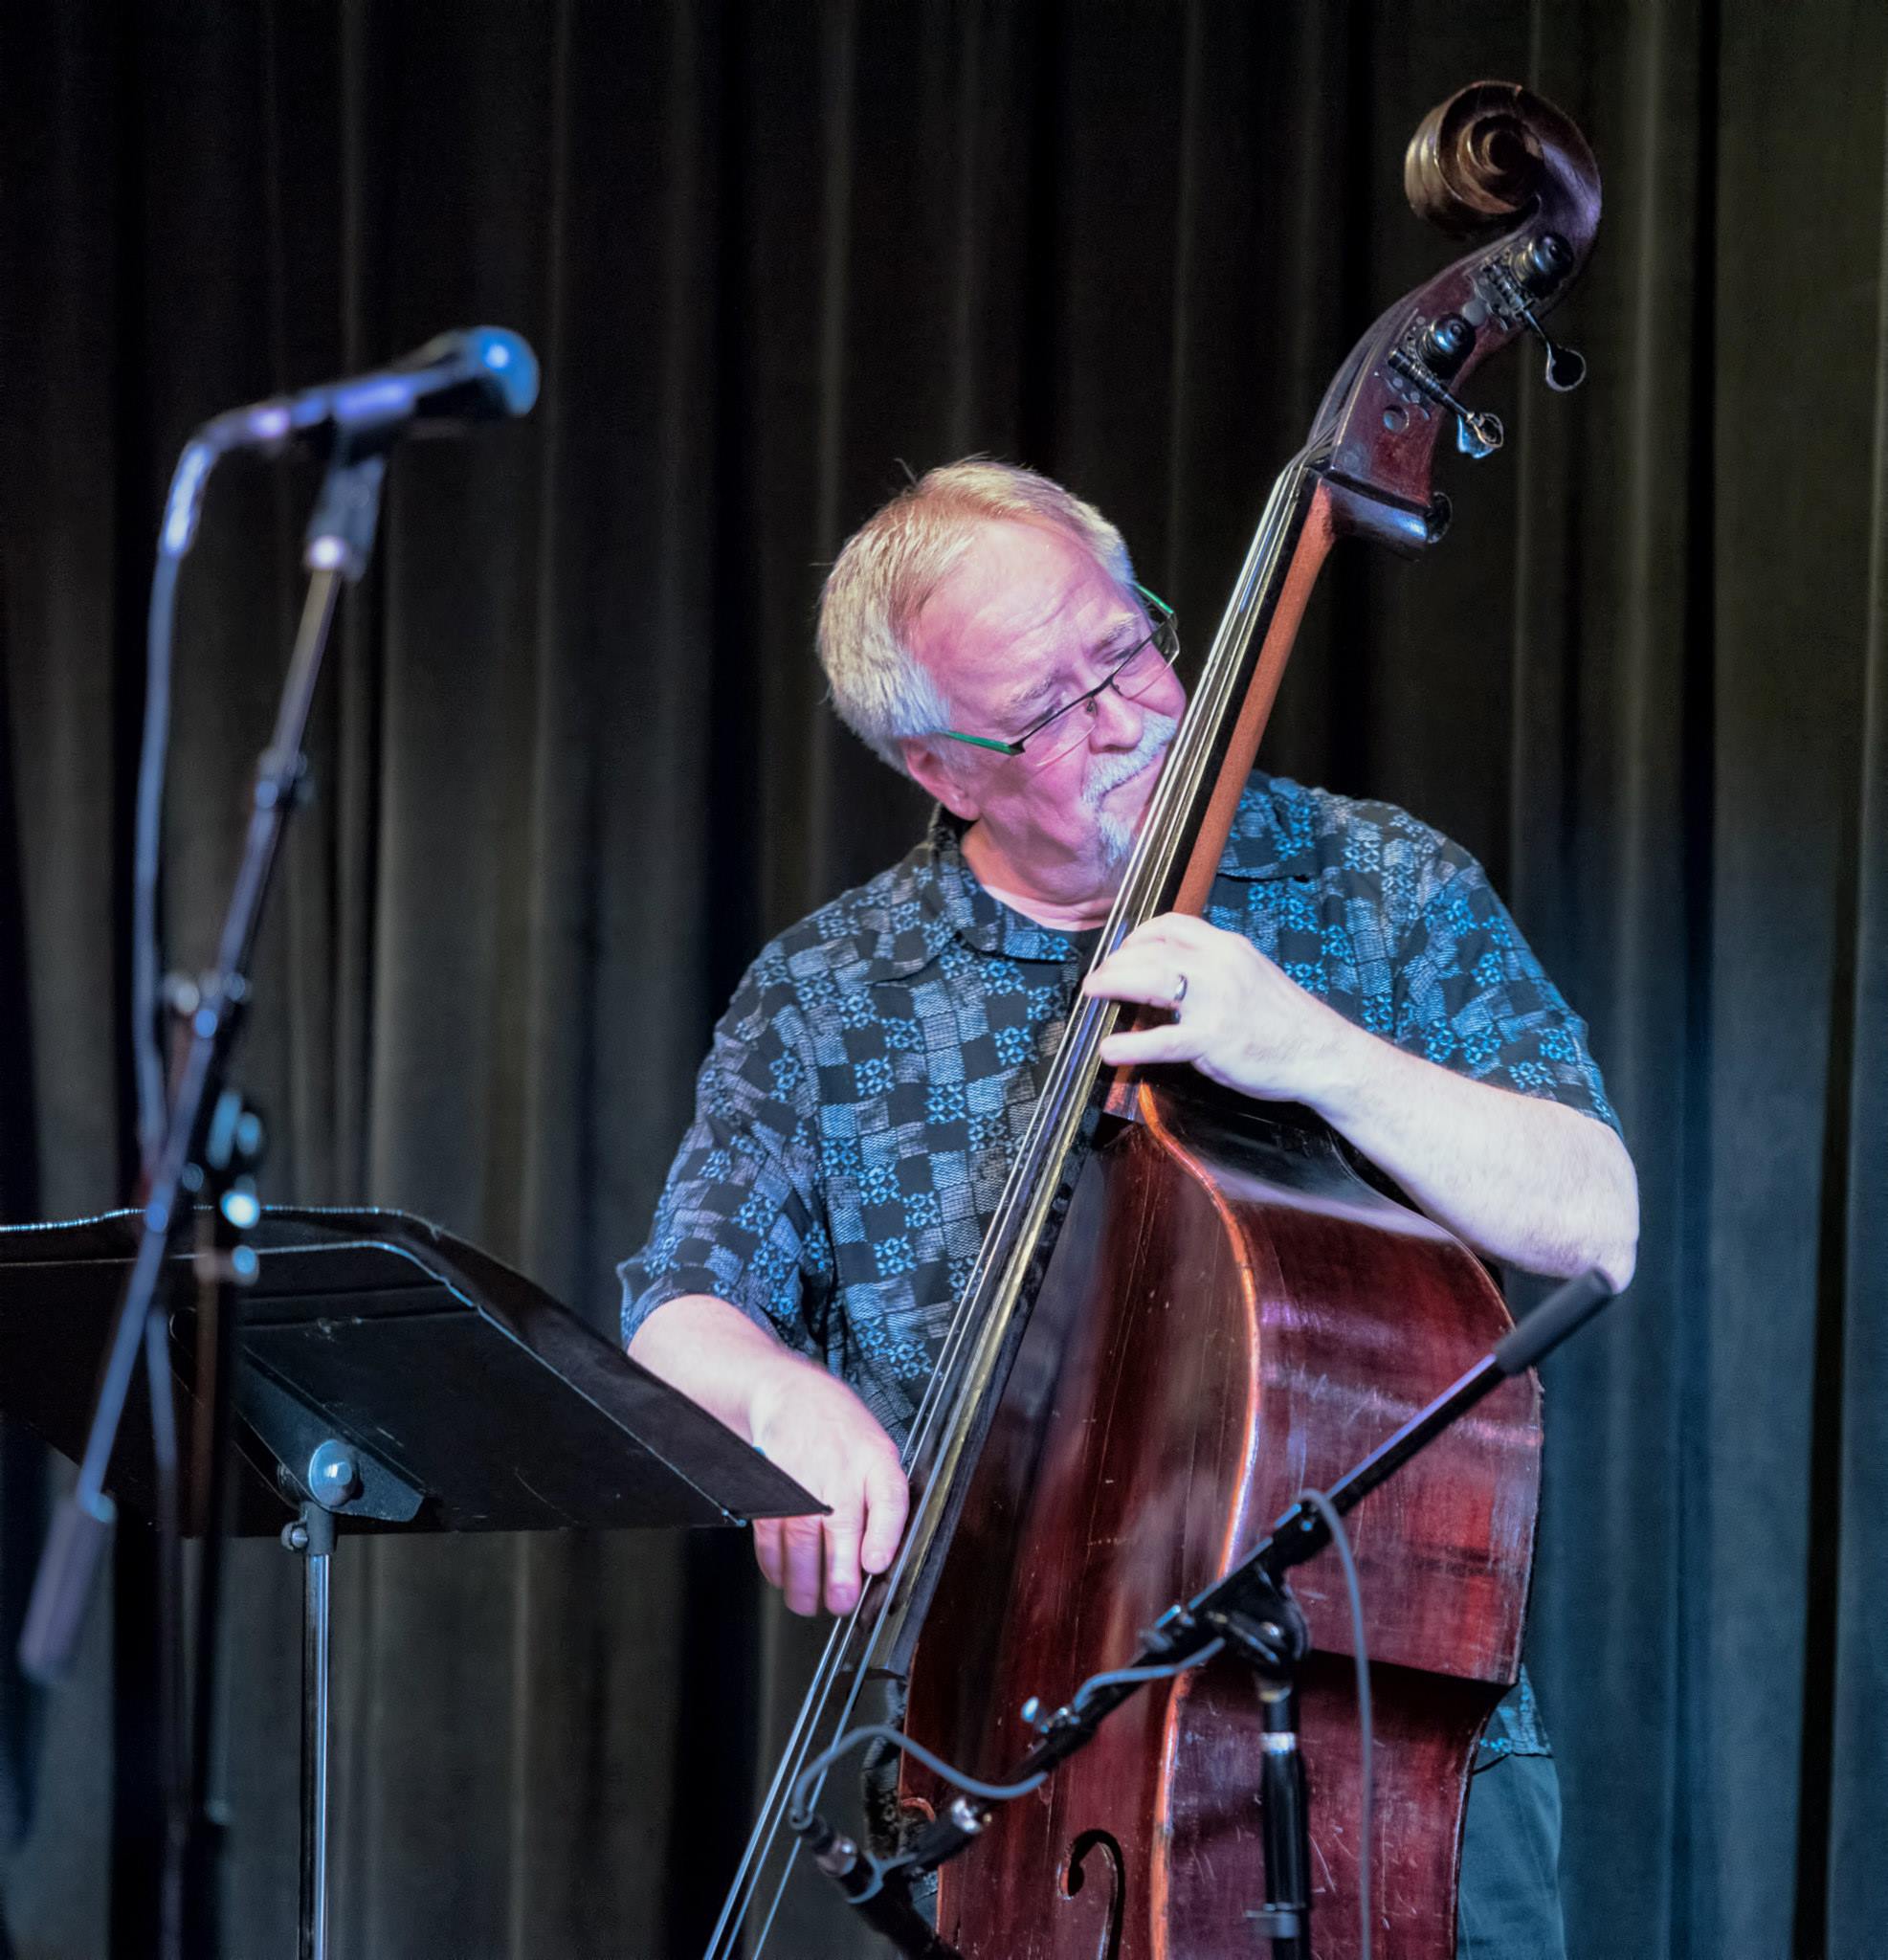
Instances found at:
x=1026 y=621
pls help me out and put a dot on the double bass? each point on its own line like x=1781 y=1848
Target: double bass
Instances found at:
x=1189 y=1307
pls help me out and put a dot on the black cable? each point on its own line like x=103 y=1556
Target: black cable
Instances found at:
x=1334 y=1525
x=1131 y=1677
x=148 y=1061
x=804 y=1823
x=150 y=1073
x=182 y=506
x=146 y=857
x=171 y=1778
x=801 y=1811
x=883 y=1731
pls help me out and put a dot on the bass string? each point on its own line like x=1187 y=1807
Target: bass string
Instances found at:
x=747 y=1877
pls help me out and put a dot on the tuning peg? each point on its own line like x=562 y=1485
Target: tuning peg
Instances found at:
x=1545 y=262
x=1543 y=265
x=1478 y=433
x=1567 y=367
x=1444 y=344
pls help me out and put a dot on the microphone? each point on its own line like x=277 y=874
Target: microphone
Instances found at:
x=470 y=375
x=474 y=374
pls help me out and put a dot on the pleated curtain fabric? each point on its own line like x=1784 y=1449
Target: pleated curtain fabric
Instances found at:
x=572 y=764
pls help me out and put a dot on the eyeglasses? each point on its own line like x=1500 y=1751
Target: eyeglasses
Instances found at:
x=1137 y=671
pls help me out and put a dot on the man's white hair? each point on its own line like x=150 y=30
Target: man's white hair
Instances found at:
x=899 y=557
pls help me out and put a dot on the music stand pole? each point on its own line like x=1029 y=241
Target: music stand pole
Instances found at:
x=313 y=1535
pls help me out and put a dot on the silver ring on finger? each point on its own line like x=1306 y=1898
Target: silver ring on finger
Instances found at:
x=1178 y=995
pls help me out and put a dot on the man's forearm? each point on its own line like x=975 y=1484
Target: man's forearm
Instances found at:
x=1525 y=1181
x=807 y=1422
x=712 y=1352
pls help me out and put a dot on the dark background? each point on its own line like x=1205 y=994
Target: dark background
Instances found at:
x=572 y=766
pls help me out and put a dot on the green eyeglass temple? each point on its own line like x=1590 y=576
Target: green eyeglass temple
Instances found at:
x=1162 y=622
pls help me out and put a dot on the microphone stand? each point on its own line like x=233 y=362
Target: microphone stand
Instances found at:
x=1252 y=1611
x=209 y=1143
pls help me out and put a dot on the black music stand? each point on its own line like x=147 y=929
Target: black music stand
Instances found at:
x=390 y=1378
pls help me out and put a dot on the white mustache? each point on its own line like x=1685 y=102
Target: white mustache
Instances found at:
x=1110 y=772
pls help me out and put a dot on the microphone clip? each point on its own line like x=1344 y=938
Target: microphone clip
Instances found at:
x=340 y=528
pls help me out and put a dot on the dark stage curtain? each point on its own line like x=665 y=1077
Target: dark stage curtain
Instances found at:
x=572 y=765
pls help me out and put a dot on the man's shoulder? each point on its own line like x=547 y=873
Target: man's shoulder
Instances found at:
x=1295 y=829
x=845 y=933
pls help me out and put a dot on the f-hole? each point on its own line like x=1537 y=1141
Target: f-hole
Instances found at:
x=1075 y=1875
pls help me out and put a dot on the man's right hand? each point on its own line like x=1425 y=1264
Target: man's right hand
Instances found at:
x=807 y=1423
x=813 y=1426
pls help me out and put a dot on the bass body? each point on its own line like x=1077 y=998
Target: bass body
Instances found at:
x=1233 y=1311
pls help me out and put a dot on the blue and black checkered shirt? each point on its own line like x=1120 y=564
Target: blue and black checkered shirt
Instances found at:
x=873 y=1073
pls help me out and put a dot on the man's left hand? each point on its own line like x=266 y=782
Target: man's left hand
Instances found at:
x=1239 y=1019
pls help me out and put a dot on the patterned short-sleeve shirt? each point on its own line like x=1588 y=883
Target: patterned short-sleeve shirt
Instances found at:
x=879 y=1062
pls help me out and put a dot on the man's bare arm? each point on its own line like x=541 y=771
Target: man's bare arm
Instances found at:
x=807 y=1421
x=1528 y=1182
x=1525 y=1181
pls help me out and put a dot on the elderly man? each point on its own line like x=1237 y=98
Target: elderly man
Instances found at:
x=856 y=1114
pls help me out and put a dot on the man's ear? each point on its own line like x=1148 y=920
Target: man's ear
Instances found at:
x=931 y=772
